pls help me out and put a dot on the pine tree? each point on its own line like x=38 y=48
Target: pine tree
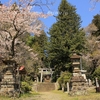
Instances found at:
x=65 y=37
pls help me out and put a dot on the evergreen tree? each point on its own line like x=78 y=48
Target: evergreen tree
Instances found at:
x=39 y=45
x=65 y=37
x=96 y=21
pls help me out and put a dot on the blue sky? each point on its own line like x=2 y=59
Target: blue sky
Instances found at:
x=83 y=9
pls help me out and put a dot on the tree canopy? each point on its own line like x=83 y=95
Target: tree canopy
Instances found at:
x=96 y=21
x=66 y=37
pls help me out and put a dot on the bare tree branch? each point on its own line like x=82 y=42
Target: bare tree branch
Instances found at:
x=93 y=3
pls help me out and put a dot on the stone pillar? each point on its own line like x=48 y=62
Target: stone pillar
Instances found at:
x=41 y=76
x=97 y=85
x=37 y=79
x=89 y=82
x=68 y=87
x=63 y=87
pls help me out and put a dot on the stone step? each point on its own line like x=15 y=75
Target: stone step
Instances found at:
x=44 y=87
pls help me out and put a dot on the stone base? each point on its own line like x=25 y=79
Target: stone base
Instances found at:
x=78 y=86
x=77 y=93
x=12 y=93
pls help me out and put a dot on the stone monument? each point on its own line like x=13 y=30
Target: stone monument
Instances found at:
x=78 y=83
x=10 y=83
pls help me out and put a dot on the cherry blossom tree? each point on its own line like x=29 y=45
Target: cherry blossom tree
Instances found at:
x=17 y=19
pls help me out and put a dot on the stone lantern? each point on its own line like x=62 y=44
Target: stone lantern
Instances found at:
x=76 y=64
x=10 y=83
x=78 y=82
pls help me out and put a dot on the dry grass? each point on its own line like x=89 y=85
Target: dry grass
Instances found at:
x=92 y=95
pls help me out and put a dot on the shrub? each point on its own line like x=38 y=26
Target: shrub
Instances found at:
x=25 y=87
x=64 y=78
x=96 y=73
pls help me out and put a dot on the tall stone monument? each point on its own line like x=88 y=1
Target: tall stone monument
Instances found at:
x=78 y=82
x=10 y=83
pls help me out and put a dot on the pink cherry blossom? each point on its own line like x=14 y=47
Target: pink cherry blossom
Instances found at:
x=16 y=20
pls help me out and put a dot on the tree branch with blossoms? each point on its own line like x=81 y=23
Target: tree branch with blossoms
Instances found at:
x=17 y=19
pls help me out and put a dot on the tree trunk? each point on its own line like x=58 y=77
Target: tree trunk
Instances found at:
x=12 y=48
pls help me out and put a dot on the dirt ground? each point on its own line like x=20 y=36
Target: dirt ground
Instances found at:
x=49 y=96
x=46 y=96
x=61 y=96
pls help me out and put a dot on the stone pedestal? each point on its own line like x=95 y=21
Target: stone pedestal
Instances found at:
x=78 y=86
x=78 y=83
